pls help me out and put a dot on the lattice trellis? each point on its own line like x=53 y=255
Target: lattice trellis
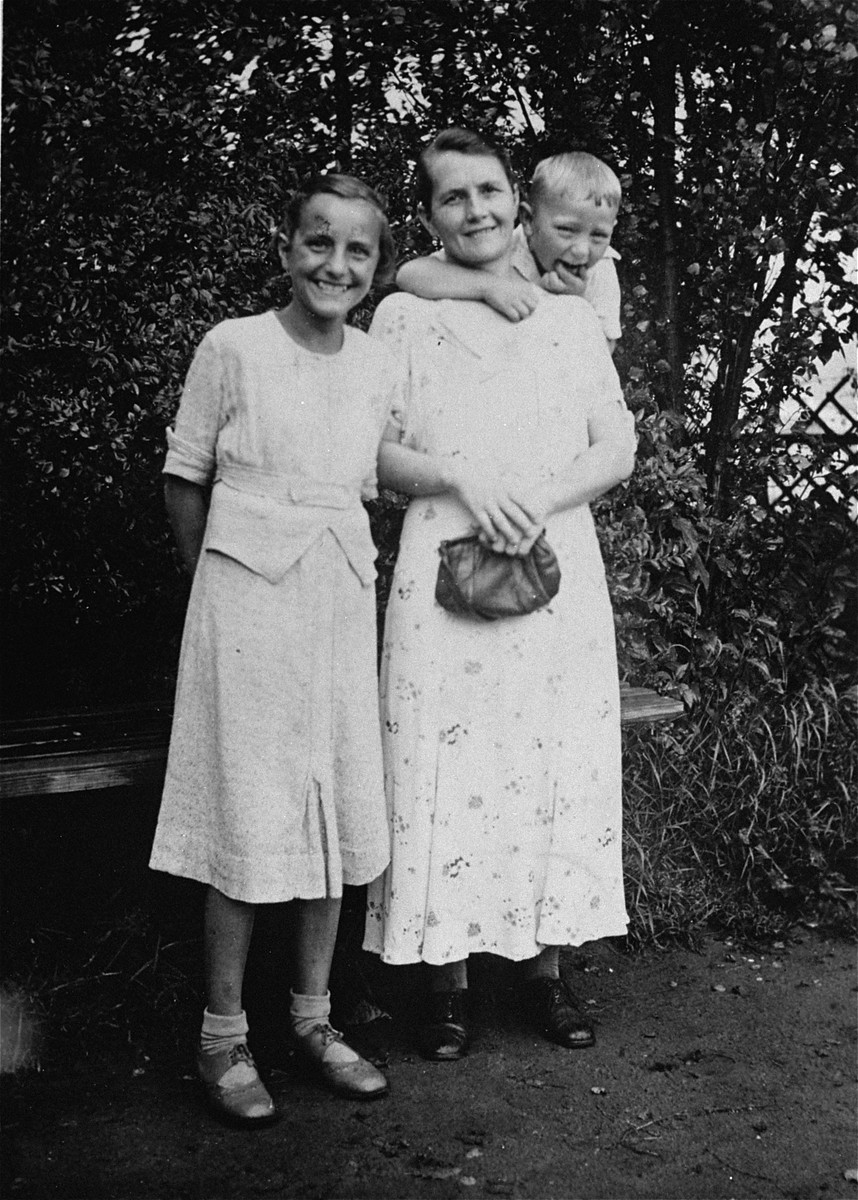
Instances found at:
x=821 y=459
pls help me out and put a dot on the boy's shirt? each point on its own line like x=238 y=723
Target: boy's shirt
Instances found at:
x=603 y=286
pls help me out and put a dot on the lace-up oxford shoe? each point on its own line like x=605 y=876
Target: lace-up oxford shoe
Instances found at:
x=233 y=1089
x=556 y=1013
x=444 y=1036
x=356 y=1079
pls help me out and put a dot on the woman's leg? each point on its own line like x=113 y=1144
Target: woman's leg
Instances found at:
x=444 y=1036
x=356 y=1007
x=340 y=1066
x=225 y=1064
x=546 y=965
x=551 y=1004
x=449 y=976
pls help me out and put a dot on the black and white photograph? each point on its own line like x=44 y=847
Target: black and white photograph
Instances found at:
x=429 y=600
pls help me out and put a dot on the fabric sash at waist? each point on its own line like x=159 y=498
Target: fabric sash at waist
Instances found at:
x=287 y=489
x=268 y=522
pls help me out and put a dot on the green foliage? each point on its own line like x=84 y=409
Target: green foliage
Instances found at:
x=742 y=813
x=654 y=533
x=141 y=178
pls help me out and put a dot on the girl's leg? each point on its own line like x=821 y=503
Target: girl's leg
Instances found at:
x=340 y=1066
x=444 y=1036
x=228 y=928
x=315 y=937
x=225 y=1063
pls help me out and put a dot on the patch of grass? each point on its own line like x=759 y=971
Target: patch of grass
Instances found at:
x=121 y=981
x=741 y=817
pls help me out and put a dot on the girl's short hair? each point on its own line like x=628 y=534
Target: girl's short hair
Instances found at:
x=347 y=187
x=578 y=172
x=462 y=141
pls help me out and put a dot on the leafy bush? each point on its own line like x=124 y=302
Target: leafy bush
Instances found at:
x=740 y=813
x=654 y=532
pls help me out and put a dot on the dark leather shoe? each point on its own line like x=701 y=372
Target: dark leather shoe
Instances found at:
x=372 y=1039
x=556 y=1013
x=445 y=1037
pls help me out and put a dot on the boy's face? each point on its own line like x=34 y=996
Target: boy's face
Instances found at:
x=566 y=229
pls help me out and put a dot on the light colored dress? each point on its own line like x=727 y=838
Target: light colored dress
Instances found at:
x=501 y=739
x=274 y=784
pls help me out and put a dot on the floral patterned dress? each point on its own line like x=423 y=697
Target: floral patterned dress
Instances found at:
x=501 y=739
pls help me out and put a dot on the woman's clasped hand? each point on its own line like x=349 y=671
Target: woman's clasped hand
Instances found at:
x=508 y=516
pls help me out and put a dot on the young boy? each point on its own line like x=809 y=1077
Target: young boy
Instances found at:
x=563 y=245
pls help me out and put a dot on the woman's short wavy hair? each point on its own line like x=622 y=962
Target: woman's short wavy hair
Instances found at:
x=347 y=187
x=461 y=141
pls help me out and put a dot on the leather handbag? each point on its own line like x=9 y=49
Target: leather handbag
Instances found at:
x=474 y=580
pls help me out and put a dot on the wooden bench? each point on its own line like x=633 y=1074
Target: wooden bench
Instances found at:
x=85 y=750
x=122 y=747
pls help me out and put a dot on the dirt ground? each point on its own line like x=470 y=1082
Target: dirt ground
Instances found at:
x=724 y=1073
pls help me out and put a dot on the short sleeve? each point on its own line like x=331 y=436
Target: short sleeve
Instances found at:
x=391 y=410
x=369 y=487
x=192 y=442
x=606 y=402
x=603 y=294
x=390 y=326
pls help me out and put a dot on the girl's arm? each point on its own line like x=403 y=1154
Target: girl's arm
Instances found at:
x=434 y=279
x=191 y=454
x=187 y=508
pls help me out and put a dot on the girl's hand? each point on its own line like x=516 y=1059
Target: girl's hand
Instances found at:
x=514 y=299
x=501 y=516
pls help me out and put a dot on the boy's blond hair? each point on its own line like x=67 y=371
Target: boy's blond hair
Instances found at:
x=577 y=172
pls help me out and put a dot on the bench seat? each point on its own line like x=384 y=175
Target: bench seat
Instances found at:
x=123 y=747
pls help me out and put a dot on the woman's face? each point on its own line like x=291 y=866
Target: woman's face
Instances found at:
x=473 y=208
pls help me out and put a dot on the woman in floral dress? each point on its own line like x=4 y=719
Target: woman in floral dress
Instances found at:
x=501 y=739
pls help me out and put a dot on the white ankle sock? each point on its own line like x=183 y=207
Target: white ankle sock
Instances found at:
x=221 y=1031
x=306 y=1014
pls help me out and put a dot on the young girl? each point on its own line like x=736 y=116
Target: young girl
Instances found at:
x=274 y=786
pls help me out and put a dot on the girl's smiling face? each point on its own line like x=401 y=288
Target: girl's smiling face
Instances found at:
x=331 y=257
x=473 y=209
